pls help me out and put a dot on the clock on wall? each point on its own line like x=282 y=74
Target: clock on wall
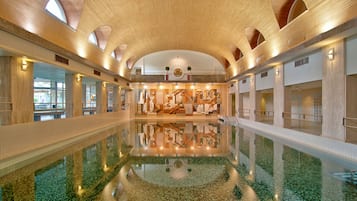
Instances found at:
x=178 y=72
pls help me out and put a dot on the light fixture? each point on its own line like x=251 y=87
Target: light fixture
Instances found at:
x=189 y=73
x=78 y=78
x=277 y=72
x=24 y=65
x=167 y=72
x=331 y=54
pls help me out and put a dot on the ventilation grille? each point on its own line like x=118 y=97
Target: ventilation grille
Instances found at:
x=264 y=74
x=302 y=61
x=95 y=72
x=61 y=59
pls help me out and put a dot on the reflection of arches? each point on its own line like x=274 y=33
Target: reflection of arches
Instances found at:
x=287 y=10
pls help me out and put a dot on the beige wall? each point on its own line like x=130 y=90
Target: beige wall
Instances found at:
x=16 y=91
x=252 y=99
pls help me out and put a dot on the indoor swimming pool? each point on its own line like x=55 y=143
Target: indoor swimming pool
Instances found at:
x=184 y=160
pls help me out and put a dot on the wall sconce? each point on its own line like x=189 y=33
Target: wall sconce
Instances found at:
x=78 y=78
x=277 y=71
x=104 y=84
x=24 y=65
x=166 y=73
x=331 y=54
x=189 y=73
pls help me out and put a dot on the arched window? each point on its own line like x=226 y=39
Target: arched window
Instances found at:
x=113 y=54
x=119 y=51
x=93 y=39
x=237 y=54
x=254 y=37
x=100 y=36
x=55 y=8
x=296 y=9
x=287 y=10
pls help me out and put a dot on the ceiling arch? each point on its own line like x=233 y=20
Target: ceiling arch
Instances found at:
x=200 y=63
x=215 y=27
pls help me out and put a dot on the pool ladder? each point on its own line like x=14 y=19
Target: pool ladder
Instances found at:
x=348 y=177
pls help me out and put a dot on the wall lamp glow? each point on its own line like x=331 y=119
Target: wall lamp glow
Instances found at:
x=78 y=78
x=331 y=54
x=24 y=65
x=277 y=72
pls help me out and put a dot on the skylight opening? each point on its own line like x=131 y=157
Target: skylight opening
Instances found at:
x=55 y=8
x=93 y=39
x=113 y=55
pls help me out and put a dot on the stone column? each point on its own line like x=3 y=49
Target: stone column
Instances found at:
x=252 y=93
x=333 y=92
x=278 y=171
x=287 y=107
x=116 y=99
x=16 y=94
x=101 y=97
x=258 y=106
x=279 y=96
x=74 y=95
x=237 y=99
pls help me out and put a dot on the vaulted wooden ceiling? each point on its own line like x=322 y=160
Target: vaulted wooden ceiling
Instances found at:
x=240 y=34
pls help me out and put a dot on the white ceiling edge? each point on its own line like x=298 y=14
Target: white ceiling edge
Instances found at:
x=201 y=63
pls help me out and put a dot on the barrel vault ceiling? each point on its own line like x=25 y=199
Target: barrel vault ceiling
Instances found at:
x=239 y=34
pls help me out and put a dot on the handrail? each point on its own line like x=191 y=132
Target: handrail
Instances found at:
x=5 y=106
x=244 y=110
x=302 y=116
x=264 y=113
x=49 y=110
x=351 y=119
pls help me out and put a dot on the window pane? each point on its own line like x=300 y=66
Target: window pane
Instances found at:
x=44 y=84
x=93 y=39
x=55 y=8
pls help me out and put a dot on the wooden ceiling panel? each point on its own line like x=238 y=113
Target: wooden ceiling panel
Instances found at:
x=146 y=26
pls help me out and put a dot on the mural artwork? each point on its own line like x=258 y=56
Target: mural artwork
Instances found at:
x=178 y=101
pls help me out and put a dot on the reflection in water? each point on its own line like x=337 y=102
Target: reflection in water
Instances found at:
x=179 y=161
x=180 y=138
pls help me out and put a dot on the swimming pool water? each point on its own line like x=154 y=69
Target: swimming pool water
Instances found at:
x=180 y=161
